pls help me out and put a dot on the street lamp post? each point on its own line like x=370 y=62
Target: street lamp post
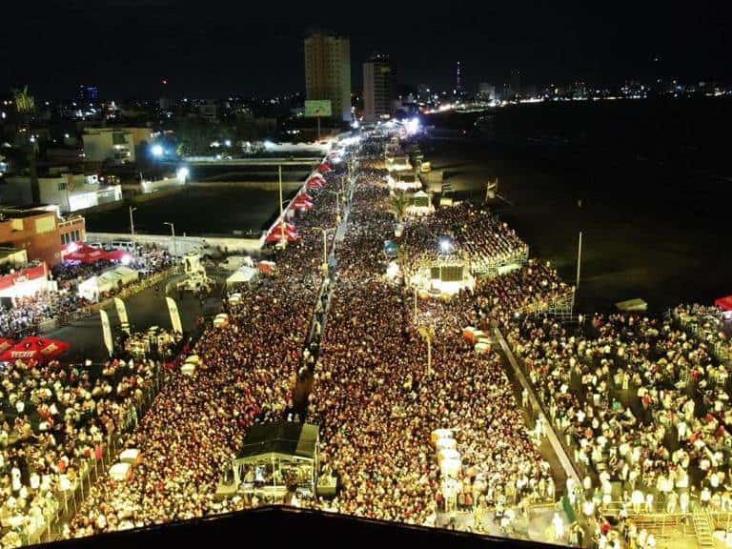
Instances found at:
x=172 y=234
x=132 y=221
x=415 y=304
x=338 y=204
x=325 y=247
x=579 y=259
x=428 y=333
x=283 y=240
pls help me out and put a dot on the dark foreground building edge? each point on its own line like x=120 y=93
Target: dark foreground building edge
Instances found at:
x=280 y=526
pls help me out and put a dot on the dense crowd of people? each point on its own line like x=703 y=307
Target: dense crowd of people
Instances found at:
x=379 y=402
x=28 y=313
x=198 y=423
x=146 y=259
x=710 y=325
x=471 y=232
x=644 y=404
x=641 y=402
x=56 y=419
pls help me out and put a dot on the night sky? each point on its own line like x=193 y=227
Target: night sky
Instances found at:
x=214 y=48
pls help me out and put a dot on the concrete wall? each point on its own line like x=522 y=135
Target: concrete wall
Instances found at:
x=261 y=185
x=182 y=245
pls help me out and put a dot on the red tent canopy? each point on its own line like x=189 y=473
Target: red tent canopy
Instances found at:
x=5 y=344
x=302 y=206
x=315 y=183
x=303 y=199
x=36 y=348
x=118 y=255
x=290 y=233
x=83 y=253
x=325 y=167
x=724 y=303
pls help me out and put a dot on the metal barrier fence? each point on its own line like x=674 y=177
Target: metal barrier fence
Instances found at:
x=723 y=353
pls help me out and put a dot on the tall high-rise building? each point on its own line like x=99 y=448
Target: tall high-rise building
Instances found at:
x=328 y=72
x=458 y=79
x=378 y=87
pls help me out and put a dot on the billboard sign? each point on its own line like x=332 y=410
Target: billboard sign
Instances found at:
x=320 y=108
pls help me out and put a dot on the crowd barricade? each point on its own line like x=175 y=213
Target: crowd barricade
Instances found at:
x=722 y=352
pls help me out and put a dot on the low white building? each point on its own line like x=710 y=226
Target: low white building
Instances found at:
x=70 y=192
x=116 y=144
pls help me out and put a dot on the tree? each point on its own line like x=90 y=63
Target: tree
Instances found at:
x=398 y=205
x=24 y=101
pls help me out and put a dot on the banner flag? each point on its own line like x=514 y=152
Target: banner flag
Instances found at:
x=174 y=315
x=107 y=332
x=122 y=314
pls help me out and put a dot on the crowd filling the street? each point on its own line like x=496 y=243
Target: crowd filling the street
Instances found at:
x=422 y=419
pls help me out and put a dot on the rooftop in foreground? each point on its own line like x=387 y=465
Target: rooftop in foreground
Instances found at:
x=281 y=526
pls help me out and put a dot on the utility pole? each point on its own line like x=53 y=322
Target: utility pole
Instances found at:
x=579 y=260
x=429 y=356
x=325 y=248
x=428 y=333
x=132 y=221
x=283 y=240
x=172 y=234
x=415 y=304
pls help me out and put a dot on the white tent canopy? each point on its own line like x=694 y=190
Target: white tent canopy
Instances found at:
x=95 y=286
x=244 y=273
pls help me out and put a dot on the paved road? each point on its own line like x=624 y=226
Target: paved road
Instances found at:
x=146 y=309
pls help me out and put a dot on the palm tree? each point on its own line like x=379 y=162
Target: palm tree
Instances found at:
x=24 y=101
x=398 y=205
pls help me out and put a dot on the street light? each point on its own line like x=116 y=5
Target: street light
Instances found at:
x=132 y=221
x=338 y=204
x=157 y=150
x=182 y=174
x=172 y=234
x=283 y=240
x=428 y=334
x=445 y=246
x=325 y=247
x=415 y=303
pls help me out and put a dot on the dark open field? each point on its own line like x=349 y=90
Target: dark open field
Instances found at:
x=654 y=181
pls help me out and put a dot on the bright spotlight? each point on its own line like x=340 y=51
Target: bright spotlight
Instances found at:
x=227 y=143
x=445 y=246
x=183 y=173
x=157 y=150
x=412 y=126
